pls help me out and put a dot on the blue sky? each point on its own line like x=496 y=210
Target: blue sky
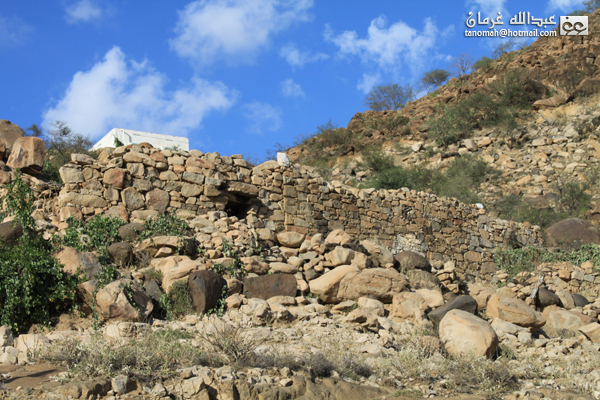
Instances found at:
x=234 y=76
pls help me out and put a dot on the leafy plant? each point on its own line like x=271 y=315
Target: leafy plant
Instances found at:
x=376 y=160
x=32 y=282
x=178 y=302
x=483 y=63
x=389 y=97
x=433 y=79
x=94 y=235
x=166 y=224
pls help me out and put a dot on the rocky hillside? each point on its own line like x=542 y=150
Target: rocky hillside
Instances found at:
x=553 y=135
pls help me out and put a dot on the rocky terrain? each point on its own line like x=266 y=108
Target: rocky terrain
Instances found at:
x=200 y=276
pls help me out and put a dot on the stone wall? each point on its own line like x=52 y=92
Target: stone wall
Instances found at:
x=134 y=182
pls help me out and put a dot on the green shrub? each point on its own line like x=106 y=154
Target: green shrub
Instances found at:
x=514 y=208
x=376 y=160
x=483 y=63
x=178 y=302
x=94 y=235
x=166 y=224
x=498 y=104
x=515 y=261
x=417 y=178
x=32 y=282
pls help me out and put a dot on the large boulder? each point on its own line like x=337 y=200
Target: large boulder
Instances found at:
x=158 y=200
x=409 y=260
x=572 y=232
x=121 y=253
x=266 y=286
x=175 y=268
x=9 y=133
x=545 y=298
x=480 y=293
x=28 y=154
x=74 y=260
x=206 y=288
x=408 y=305
x=113 y=301
x=463 y=303
x=340 y=256
x=10 y=233
x=338 y=236
x=382 y=255
x=515 y=311
x=463 y=333
x=560 y=320
x=376 y=283
x=327 y=285
x=290 y=239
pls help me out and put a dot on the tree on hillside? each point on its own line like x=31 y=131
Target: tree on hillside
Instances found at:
x=462 y=64
x=34 y=130
x=389 y=97
x=508 y=46
x=589 y=7
x=61 y=141
x=433 y=79
x=483 y=62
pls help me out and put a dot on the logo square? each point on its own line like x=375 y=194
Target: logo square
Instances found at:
x=574 y=25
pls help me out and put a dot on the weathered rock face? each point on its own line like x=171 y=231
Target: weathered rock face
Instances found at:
x=267 y=286
x=121 y=253
x=10 y=233
x=9 y=133
x=463 y=333
x=560 y=320
x=327 y=285
x=463 y=303
x=290 y=239
x=75 y=260
x=515 y=311
x=572 y=231
x=408 y=305
x=113 y=302
x=175 y=268
x=409 y=260
x=206 y=288
x=28 y=154
x=376 y=283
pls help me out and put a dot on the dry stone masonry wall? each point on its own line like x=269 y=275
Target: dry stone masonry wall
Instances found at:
x=135 y=182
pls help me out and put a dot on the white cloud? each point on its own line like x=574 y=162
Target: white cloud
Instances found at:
x=233 y=30
x=13 y=31
x=368 y=81
x=116 y=92
x=388 y=47
x=83 y=11
x=263 y=117
x=564 y=5
x=291 y=89
x=488 y=8
x=297 y=58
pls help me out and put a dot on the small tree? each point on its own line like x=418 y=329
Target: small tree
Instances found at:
x=462 y=64
x=433 y=79
x=61 y=142
x=482 y=63
x=389 y=97
x=34 y=130
x=590 y=7
x=508 y=46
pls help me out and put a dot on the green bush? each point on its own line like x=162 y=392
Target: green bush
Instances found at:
x=514 y=208
x=483 y=63
x=166 y=224
x=515 y=261
x=497 y=105
x=32 y=282
x=94 y=235
x=376 y=160
x=461 y=179
x=178 y=302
